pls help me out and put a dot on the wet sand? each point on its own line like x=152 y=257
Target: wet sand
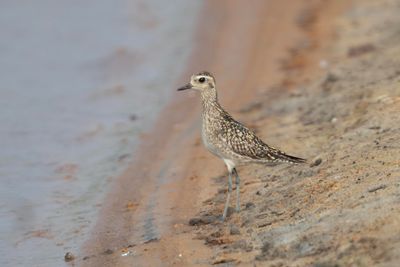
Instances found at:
x=144 y=219
x=73 y=80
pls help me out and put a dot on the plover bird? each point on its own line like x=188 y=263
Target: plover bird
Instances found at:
x=230 y=140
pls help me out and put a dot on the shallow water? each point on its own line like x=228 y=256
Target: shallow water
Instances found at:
x=79 y=82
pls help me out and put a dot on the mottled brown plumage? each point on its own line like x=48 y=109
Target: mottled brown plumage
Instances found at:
x=229 y=139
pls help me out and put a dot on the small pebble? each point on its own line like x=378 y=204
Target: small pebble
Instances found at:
x=108 y=252
x=203 y=220
x=69 y=257
x=316 y=162
x=133 y=117
x=234 y=230
x=250 y=205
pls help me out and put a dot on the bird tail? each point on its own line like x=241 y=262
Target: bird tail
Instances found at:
x=293 y=159
x=283 y=157
x=279 y=156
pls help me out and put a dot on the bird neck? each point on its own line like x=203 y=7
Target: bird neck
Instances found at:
x=209 y=98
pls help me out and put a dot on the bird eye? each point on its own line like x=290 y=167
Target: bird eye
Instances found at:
x=202 y=80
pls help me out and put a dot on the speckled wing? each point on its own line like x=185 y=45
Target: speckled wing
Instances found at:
x=243 y=142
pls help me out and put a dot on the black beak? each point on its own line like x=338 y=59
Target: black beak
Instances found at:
x=187 y=86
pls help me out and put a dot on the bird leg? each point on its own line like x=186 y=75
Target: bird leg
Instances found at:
x=228 y=197
x=237 y=190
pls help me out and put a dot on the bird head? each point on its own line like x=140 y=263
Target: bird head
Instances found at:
x=201 y=82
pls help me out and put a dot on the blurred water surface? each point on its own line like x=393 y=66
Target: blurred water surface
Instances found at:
x=79 y=82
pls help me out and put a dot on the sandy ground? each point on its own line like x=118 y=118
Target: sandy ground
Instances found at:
x=332 y=95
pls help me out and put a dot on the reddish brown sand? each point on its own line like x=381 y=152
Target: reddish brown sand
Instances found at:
x=257 y=52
